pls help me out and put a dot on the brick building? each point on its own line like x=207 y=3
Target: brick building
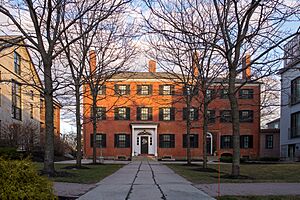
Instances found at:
x=142 y=113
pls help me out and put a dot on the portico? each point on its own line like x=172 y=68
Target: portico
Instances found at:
x=144 y=139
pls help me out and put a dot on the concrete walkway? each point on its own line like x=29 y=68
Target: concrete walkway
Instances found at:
x=244 y=189
x=143 y=180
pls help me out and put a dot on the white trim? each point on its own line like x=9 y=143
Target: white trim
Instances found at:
x=209 y=135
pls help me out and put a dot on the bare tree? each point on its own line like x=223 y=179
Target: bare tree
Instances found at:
x=255 y=27
x=112 y=51
x=43 y=23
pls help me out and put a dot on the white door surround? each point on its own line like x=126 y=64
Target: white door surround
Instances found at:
x=144 y=130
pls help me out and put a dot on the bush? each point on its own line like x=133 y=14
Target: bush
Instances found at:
x=272 y=159
x=228 y=159
x=9 y=153
x=20 y=180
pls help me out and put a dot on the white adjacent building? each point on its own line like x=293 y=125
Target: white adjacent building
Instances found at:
x=290 y=102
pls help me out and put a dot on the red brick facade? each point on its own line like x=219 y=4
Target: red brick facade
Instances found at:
x=110 y=126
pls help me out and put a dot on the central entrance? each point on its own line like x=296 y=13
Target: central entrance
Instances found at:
x=145 y=143
x=144 y=138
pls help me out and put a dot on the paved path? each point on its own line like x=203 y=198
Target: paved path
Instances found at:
x=71 y=189
x=143 y=180
x=243 y=189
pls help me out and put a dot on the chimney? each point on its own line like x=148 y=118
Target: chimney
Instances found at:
x=152 y=66
x=246 y=67
x=92 y=61
x=195 y=62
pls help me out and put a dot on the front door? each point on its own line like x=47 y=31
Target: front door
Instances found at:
x=144 y=146
x=291 y=152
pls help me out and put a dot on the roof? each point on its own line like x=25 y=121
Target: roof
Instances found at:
x=273 y=121
x=9 y=40
x=165 y=75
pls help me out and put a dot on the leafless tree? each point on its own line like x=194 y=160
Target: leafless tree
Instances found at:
x=112 y=51
x=255 y=27
x=43 y=23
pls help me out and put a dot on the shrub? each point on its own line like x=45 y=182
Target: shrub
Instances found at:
x=272 y=159
x=19 y=180
x=228 y=159
x=9 y=153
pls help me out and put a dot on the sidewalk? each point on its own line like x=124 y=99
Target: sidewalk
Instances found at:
x=143 y=180
x=244 y=189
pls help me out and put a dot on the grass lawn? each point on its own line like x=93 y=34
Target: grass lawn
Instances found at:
x=250 y=173
x=259 y=198
x=92 y=175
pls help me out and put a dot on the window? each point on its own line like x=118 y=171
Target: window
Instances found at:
x=144 y=113
x=167 y=141
x=101 y=113
x=246 y=94
x=225 y=116
x=269 y=141
x=16 y=100
x=295 y=91
x=144 y=89
x=122 y=89
x=226 y=141
x=122 y=140
x=167 y=114
x=31 y=94
x=122 y=113
x=211 y=115
x=17 y=63
x=193 y=141
x=100 y=140
x=210 y=93
x=166 y=89
x=224 y=94
x=193 y=114
x=295 y=125
x=190 y=90
x=31 y=111
x=246 y=116
x=102 y=90
x=246 y=141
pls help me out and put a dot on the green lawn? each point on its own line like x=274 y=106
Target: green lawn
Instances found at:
x=260 y=198
x=92 y=175
x=250 y=173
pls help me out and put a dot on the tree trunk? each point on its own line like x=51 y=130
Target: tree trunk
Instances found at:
x=188 y=130
x=49 y=132
x=205 y=129
x=235 y=125
x=78 y=126
x=94 y=111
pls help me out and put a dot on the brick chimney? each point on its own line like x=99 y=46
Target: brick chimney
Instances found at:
x=92 y=61
x=195 y=62
x=246 y=67
x=152 y=66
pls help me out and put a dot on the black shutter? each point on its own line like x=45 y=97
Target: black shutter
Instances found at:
x=150 y=116
x=250 y=141
x=172 y=89
x=116 y=113
x=103 y=140
x=231 y=141
x=242 y=144
x=150 y=89
x=116 y=89
x=250 y=116
x=196 y=141
x=116 y=140
x=139 y=89
x=172 y=145
x=222 y=142
x=138 y=113
x=184 y=114
x=127 y=144
x=184 y=142
x=196 y=114
x=127 y=113
x=127 y=89
x=161 y=89
x=103 y=113
x=161 y=113
x=161 y=141
x=172 y=114
x=91 y=139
